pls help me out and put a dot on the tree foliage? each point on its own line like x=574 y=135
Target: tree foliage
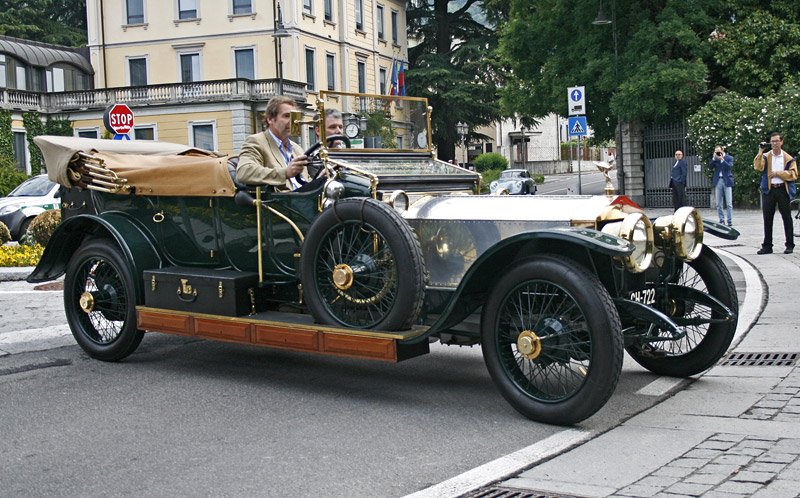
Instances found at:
x=62 y=22
x=453 y=65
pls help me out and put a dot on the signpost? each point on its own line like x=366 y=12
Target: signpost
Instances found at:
x=578 y=128
x=118 y=120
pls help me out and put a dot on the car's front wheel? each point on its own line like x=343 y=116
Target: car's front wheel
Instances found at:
x=552 y=340
x=100 y=302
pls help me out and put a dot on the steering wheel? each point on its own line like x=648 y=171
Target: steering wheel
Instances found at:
x=312 y=153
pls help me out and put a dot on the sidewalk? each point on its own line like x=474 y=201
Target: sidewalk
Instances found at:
x=734 y=432
x=8 y=274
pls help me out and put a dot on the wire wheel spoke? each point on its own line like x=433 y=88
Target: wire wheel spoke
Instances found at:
x=106 y=320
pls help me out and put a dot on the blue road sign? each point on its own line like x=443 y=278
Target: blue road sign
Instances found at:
x=577 y=126
x=122 y=136
x=576 y=95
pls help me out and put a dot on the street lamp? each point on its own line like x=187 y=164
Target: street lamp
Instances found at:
x=602 y=20
x=462 y=129
x=278 y=32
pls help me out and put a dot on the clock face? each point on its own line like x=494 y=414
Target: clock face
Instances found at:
x=351 y=130
x=422 y=140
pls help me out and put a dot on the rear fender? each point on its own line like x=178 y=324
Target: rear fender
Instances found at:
x=472 y=292
x=136 y=246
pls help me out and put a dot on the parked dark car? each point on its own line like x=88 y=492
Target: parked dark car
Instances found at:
x=513 y=182
x=384 y=252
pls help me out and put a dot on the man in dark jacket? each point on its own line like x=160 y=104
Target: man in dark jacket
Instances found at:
x=722 y=180
x=677 y=180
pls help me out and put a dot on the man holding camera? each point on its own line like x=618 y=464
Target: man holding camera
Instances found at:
x=677 y=180
x=722 y=180
x=778 y=174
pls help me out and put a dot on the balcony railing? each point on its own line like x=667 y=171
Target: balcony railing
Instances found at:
x=173 y=93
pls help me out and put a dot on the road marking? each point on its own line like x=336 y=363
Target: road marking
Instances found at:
x=506 y=466
x=31 y=291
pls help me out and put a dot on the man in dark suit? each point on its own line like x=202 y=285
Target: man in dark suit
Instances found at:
x=677 y=180
x=270 y=157
x=722 y=180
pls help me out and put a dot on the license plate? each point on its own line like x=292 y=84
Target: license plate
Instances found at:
x=644 y=296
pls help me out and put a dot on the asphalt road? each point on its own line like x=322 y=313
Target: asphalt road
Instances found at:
x=185 y=416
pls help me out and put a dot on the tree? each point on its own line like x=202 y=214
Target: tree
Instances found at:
x=453 y=65
x=62 y=22
x=656 y=69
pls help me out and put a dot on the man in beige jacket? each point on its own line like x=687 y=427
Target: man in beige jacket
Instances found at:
x=778 y=174
x=270 y=157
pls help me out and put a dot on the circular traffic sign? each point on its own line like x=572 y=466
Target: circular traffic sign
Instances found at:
x=118 y=119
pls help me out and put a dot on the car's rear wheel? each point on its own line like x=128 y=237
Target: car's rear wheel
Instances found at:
x=100 y=302
x=362 y=267
x=552 y=341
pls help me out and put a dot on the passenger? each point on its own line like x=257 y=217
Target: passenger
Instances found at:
x=270 y=157
x=333 y=123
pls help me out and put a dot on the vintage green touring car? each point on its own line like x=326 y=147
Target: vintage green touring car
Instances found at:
x=385 y=252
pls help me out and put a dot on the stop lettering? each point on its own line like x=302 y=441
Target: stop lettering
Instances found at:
x=118 y=119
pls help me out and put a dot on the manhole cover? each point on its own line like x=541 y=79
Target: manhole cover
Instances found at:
x=50 y=286
x=760 y=360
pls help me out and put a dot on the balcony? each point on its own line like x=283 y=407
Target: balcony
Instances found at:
x=151 y=95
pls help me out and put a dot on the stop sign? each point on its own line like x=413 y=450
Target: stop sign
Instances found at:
x=118 y=119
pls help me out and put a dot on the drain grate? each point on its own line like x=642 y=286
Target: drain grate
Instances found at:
x=760 y=360
x=501 y=492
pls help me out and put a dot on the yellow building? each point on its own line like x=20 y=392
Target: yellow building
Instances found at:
x=199 y=72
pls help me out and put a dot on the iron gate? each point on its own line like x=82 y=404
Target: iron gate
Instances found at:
x=660 y=143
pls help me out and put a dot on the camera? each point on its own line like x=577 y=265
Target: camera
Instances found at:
x=764 y=145
x=718 y=154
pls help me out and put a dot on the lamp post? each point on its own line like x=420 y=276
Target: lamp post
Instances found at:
x=462 y=129
x=278 y=33
x=602 y=20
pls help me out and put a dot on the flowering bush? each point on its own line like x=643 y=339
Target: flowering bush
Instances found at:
x=20 y=255
x=5 y=235
x=43 y=226
x=740 y=123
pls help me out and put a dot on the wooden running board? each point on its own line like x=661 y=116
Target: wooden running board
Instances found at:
x=292 y=331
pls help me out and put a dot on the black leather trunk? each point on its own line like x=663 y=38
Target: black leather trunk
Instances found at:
x=202 y=290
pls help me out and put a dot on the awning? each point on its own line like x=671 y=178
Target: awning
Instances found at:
x=41 y=55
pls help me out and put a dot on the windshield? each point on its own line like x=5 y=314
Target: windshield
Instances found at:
x=381 y=122
x=37 y=186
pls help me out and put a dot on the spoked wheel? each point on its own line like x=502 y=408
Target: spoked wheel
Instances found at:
x=796 y=217
x=100 y=303
x=552 y=341
x=362 y=267
x=704 y=342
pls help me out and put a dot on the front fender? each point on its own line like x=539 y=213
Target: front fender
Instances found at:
x=481 y=277
x=136 y=246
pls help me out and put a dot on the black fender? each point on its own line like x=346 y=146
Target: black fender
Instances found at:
x=490 y=266
x=136 y=246
x=720 y=230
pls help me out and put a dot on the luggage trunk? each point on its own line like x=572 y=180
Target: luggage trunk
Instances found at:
x=202 y=290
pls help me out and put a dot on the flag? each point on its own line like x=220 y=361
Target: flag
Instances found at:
x=393 y=79
x=401 y=80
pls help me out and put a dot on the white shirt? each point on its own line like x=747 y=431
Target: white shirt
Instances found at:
x=777 y=165
x=286 y=153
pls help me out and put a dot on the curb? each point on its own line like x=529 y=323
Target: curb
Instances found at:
x=11 y=274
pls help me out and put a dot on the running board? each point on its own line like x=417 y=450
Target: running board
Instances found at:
x=293 y=331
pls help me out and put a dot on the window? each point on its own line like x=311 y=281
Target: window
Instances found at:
x=88 y=133
x=245 y=63
x=242 y=7
x=190 y=67
x=359 y=15
x=379 y=21
x=310 y=68
x=382 y=80
x=394 y=27
x=137 y=71
x=22 y=79
x=20 y=151
x=144 y=132
x=56 y=80
x=308 y=7
x=135 y=11
x=3 y=82
x=202 y=135
x=187 y=9
x=329 y=10
x=362 y=77
x=330 y=68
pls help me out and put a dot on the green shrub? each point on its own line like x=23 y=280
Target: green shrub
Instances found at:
x=490 y=160
x=9 y=176
x=43 y=226
x=488 y=177
x=5 y=235
x=538 y=179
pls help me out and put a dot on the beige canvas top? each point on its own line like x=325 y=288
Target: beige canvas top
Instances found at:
x=151 y=168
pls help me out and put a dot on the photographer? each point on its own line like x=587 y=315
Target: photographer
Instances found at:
x=778 y=174
x=722 y=180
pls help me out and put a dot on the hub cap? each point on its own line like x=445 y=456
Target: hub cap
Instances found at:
x=529 y=345
x=342 y=276
x=86 y=302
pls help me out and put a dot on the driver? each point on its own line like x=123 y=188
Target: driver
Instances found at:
x=270 y=157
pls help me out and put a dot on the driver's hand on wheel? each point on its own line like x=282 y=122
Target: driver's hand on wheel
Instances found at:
x=296 y=166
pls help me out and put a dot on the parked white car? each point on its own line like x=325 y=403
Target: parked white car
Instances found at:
x=31 y=197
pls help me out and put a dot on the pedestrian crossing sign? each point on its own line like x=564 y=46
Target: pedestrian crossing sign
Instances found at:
x=577 y=126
